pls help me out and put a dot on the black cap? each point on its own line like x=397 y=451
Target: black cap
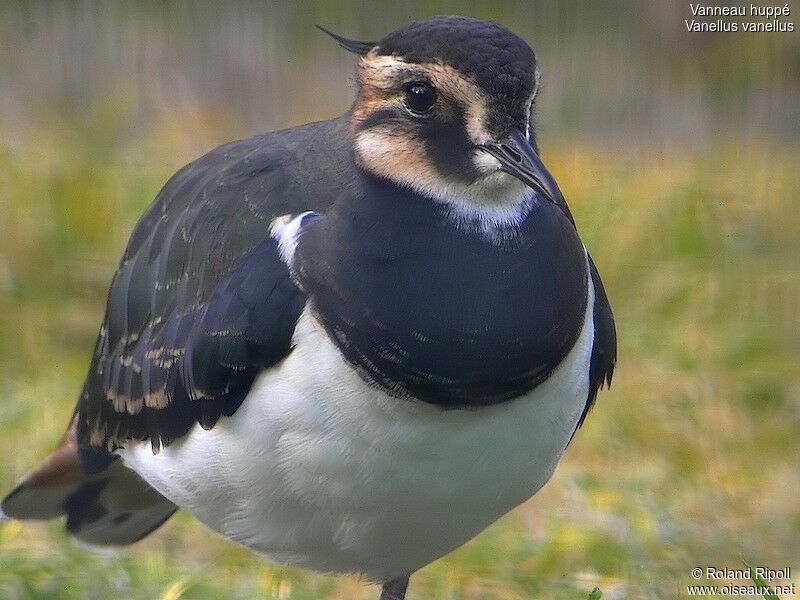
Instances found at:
x=500 y=62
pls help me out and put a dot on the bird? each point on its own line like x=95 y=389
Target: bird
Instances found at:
x=350 y=345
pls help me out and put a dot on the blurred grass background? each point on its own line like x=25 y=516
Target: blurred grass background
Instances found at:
x=679 y=155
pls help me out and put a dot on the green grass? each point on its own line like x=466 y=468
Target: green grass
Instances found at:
x=690 y=460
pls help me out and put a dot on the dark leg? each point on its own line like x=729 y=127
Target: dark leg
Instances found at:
x=395 y=589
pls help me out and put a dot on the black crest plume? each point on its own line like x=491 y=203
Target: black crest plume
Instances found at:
x=354 y=46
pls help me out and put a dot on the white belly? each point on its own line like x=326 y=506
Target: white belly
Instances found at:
x=317 y=469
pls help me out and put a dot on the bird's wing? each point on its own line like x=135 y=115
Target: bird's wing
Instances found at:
x=201 y=301
x=604 y=349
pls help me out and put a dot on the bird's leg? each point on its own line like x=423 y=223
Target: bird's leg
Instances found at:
x=395 y=589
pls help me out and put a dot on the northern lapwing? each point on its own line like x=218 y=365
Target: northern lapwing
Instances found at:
x=351 y=345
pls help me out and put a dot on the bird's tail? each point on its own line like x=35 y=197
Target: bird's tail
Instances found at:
x=109 y=506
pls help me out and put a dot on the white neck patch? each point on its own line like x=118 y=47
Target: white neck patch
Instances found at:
x=286 y=231
x=493 y=206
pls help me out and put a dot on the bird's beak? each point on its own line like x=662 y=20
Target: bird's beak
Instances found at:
x=518 y=158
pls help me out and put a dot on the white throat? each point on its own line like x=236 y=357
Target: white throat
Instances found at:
x=494 y=205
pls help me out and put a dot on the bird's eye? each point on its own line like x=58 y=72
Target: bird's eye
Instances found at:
x=420 y=97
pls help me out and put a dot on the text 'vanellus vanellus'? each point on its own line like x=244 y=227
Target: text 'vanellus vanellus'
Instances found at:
x=350 y=345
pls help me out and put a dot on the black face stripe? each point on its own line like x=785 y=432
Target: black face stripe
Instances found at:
x=382 y=117
x=441 y=138
x=449 y=148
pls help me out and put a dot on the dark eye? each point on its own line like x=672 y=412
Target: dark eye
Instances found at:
x=420 y=97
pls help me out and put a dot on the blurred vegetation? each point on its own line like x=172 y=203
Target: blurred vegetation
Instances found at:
x=678 y=155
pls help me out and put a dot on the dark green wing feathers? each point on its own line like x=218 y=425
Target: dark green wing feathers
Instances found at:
x=604 y=349
x=201 y=300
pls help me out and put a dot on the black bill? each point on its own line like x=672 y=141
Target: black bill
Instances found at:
x=518 y=158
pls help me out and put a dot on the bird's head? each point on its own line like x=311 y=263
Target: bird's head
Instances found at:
x=444 y=107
